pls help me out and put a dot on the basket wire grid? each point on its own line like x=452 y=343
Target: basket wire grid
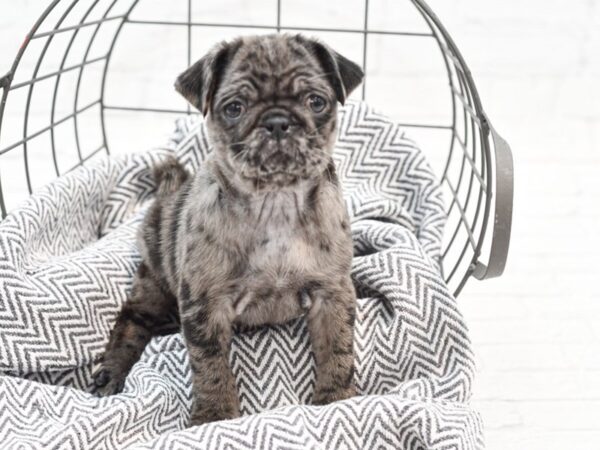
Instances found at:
x=477 y=175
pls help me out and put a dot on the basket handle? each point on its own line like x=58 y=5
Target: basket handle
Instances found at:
x=503 y=209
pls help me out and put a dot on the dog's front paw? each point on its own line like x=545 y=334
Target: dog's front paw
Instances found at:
x=325 y=395
x=109 y=380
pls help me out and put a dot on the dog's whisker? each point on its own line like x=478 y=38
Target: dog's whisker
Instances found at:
x=239 y=142
x=316 y=130
x=240 y=154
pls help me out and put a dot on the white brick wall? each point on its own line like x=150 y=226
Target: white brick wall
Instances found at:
x=537 y=67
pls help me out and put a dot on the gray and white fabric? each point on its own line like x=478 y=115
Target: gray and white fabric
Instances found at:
x=67 y=260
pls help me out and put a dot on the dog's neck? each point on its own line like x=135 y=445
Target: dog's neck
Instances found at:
x=289 y=206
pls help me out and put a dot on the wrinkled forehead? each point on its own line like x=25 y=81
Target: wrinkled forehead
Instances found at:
x=273 y=65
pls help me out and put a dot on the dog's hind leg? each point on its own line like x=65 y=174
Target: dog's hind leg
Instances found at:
x=144 y=314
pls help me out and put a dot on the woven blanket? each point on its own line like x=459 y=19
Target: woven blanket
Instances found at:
x=67 y=260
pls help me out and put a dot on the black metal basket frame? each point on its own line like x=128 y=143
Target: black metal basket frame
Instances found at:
x=485 y=158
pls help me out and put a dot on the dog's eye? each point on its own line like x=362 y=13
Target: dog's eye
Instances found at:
x=234 y=109
x=316 y=103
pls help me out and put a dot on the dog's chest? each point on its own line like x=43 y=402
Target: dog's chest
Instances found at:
x=280 y=237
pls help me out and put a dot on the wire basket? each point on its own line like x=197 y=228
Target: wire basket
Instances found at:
x=74 y=94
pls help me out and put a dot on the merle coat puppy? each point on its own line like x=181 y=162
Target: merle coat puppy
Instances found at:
x=260 y=235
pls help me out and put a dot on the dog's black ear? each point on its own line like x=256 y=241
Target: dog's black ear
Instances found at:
x=344 y=74
x=200 y=81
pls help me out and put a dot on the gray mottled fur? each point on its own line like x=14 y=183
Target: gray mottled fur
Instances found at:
x=260 y=234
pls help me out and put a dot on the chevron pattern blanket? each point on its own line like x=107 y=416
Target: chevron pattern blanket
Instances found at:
x=67 y=258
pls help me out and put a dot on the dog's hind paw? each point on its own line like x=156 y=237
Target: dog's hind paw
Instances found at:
x=108 y=382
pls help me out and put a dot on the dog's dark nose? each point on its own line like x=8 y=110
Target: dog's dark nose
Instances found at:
x=277 y=125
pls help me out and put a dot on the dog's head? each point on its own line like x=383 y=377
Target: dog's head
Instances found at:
x=270 y=104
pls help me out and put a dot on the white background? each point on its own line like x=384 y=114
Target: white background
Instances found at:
x=536 y=63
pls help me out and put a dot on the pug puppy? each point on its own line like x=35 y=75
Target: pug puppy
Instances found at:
x=260 y=235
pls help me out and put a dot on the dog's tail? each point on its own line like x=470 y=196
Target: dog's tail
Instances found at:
x=169 y=175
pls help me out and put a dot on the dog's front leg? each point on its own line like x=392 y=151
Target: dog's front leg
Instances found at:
x=207 y=330
x=331 y=327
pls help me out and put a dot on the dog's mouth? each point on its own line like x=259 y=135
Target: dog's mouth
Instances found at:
x=271 y=160
x=277 y=177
